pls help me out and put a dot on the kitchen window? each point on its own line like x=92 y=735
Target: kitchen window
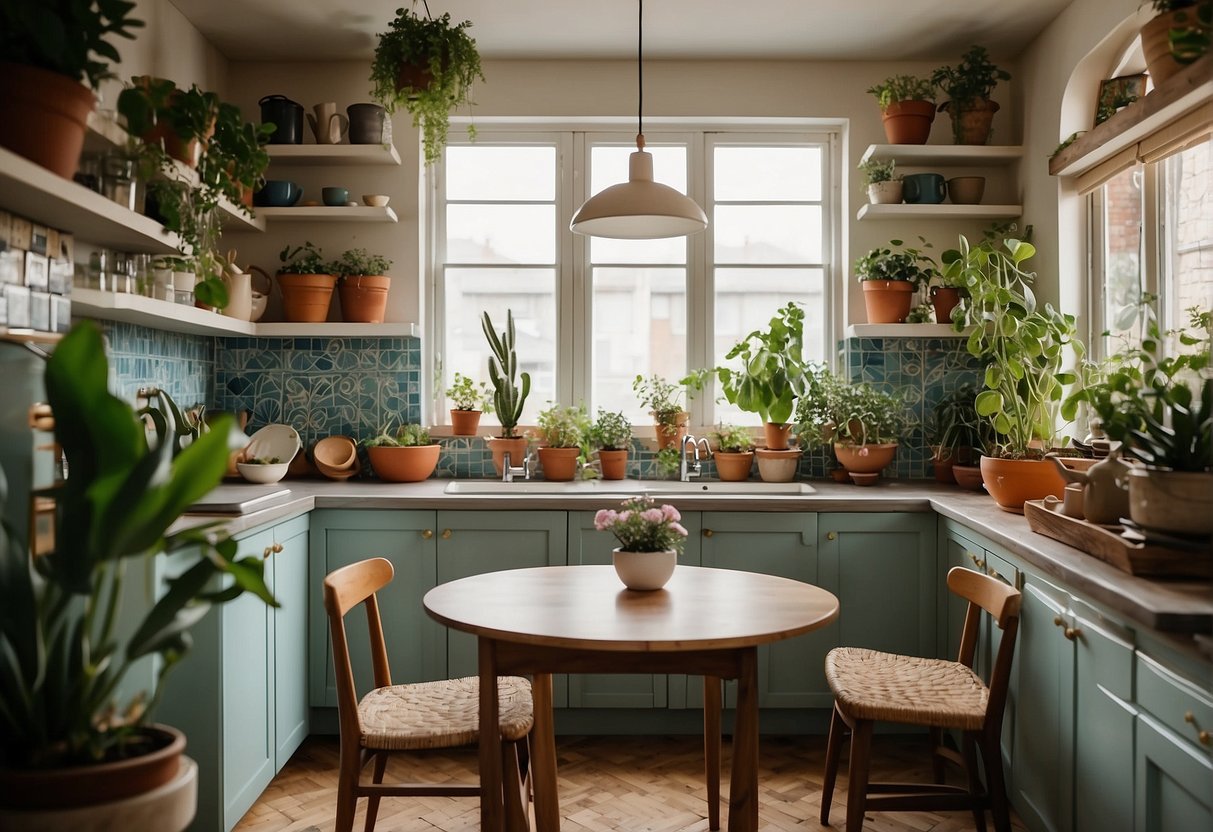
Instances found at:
x=592 y=313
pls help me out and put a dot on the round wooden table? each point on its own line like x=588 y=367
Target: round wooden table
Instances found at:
x=580 y=619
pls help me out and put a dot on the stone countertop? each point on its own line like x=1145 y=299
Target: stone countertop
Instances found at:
x=1175 y=606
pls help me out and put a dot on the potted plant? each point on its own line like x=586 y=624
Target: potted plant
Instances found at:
x=612 y=434
x=945 y=292
x=306 y=280
x=732 y=451
x=1023 y=349
x=954 y=433
x=362 y=284
x=426 y=65
x=884 y=188
x=1161 y=407
x=408 y=455
x=470 y=400
x=1177 y=35
x=68 y=742
x=662 y=399
x=889 y=279
x=650 y=538
x=907 y=108
x=508 y=397
x=181 y=122
x=49 y=49
x=562 y=430
x=861 y=423
x=968 y=86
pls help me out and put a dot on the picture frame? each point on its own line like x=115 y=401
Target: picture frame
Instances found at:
x=1115 y=93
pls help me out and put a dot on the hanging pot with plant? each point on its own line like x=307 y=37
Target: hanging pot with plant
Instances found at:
x=889 y=279
x=968 y=86
x=1176 y=36
x=907 y=108
x=362 y=284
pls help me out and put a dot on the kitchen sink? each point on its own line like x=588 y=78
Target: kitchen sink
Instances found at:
x=623 y=487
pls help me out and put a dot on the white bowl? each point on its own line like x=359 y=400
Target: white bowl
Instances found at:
x=376 y=200
x=263 y=474
x=280 y=441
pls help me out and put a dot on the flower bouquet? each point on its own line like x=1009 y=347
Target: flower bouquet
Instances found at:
x=650 y=538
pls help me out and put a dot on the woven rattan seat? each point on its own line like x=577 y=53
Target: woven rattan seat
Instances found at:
x=868 y=684
x=440 y=714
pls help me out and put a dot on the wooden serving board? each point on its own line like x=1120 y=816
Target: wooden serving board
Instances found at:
x=1106 y=543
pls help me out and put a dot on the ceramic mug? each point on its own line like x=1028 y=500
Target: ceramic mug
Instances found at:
x=924 y=188
x=335 y=196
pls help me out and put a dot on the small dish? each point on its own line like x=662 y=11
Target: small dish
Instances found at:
x=376 y=200
x=263 y=474
x=280 y=442
x=351 y=204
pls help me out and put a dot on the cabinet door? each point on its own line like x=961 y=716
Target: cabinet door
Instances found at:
x=790 y=671
x=1173 y=781
x=474 y=542
x=998 y=567
x=289 y=560
x=415 y=642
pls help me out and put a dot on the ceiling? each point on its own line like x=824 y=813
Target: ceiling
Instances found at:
x=606 y=29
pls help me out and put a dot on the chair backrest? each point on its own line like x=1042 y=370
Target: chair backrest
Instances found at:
x=344 y=589
x=1002 y=602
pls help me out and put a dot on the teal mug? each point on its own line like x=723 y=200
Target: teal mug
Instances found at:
x=924 y=188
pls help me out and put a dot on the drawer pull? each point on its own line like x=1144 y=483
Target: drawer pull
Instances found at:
x=427 y=534
x=993 y=573
x=269 y=550
x=1072 y=633
x=708 y=532
x=978 y=562
x=1058 y=622
x=446 y=534
x=276 y=548
x=831 y=535
x=1202 y=736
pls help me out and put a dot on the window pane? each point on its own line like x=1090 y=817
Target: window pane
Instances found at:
x=482 y=172
x=501 y=234
x=666 y=250
x=609 y=166
x=639 y=328
x=1188 y=280
x=531 y=295
x=768 y=234
x=747 y=299
x=767 y=173
x=1122 y=252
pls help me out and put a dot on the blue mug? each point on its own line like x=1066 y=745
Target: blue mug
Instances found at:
x=335 y=196
x=924 y=188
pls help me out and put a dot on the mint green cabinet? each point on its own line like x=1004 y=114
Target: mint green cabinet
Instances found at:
x=290 y=584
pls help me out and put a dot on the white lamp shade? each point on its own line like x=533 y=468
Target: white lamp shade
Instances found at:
x=639 y=209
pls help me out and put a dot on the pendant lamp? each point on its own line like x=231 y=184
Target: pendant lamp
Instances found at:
x=639 y=209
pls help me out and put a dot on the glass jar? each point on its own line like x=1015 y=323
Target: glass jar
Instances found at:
x=89 y=174
x=119 y=180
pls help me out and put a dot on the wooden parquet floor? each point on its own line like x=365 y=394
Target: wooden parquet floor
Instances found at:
x=638 y=784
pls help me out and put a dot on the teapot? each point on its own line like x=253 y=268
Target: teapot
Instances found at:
x=1105 y=487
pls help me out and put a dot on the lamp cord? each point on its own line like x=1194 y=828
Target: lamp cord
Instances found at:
x=640 y=77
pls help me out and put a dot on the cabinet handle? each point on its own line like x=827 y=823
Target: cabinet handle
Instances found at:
x=1072 y=633
x=446 y=534
x=708 y=532
x=831 y=535
x=269 y=550
x=1058 y=622
x=427 y=534
x=993 y=573
x=1202 y=736
x=276 y=548
x=978 y=562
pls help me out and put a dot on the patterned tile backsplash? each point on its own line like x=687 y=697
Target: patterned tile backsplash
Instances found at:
x=358 y=386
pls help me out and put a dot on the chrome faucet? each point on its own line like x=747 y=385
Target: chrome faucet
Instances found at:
x=686 y=469
x=508 y=471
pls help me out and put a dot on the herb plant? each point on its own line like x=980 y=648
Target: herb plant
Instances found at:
x=772 y=372
x=67 y=37
x=611 y=431
x=731 y=439
x=955 y=427
x=357 y=262
x=886 y=264
x=304 y=259
x=857 y=414
x=466 y=394
x=973 y=79
x=903 y=88
x=876 y=171
x=562 y=426
x=406 y=436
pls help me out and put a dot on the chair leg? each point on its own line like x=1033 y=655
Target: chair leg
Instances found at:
x=833 y=752
x=970 y=755
x=372 y=801
x=857 y=774
x=937 y=766
x=996 y=786
x=516 y=785
x=347 y=782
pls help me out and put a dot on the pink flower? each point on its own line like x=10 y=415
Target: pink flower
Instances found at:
x=652 y=515
x=623 y=516
x=670 y=513
x=863 y=451
x=604 y=519
x=678 y=528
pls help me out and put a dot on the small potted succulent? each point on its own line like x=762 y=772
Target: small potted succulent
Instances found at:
x=509 y=394
x=665 y=401
x=968 y=86
x=469 y=401
x=650 y=539
x=890 y=278
x=362 y=285
x=426 y=65
x=883 y=186
x=562 y=431
x=612 y=434
x=306 y=280
x=907 y=107
x=732 y=451
x=408 y=455
x=1178 y=34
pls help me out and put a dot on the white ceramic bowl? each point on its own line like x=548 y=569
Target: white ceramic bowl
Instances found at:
x=376 y=200
x=274 y=441
x=263 y=474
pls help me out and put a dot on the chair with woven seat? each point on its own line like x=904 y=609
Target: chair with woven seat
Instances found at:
x=424 y=715
x=870 y=686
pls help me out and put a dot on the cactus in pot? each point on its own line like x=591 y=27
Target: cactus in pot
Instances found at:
x=508 y=398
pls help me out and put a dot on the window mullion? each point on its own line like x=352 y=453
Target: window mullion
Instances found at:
x=576 y=321
x=701 y=317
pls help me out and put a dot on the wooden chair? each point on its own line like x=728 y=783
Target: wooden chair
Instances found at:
x=871 y=686
x=393 y=718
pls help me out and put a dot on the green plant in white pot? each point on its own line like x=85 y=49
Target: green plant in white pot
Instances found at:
x=883 y=185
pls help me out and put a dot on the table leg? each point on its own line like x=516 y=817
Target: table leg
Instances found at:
x=492 y=810
x=743 y=785
x=543 y=756
x=711 y=747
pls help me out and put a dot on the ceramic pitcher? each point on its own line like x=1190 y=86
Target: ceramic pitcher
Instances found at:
x=239 y=295
x=328 y=125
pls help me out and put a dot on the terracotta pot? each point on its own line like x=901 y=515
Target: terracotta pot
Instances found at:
x=499 y=446
x=968 y=477
x=43 y=116
x=776 y=435
x=777 y=466
x=886 y=193
x=306 y=297
x=614 y=464
x=942 y=460
x=1178 y=502
x=1012 y=482
x=944 y=299
x=1156 y=41
x=966 y=190
x=887 y=301
x=404 y=464
x=559 y=464
x=413 y=77
x=908 y=122
x=865 y=459
x=364 y=298
x=734 y=466
x=839 y=475
x=465 y=422
x=971 y=122
x=671 y=427
x=644 y=571
x=61 y=788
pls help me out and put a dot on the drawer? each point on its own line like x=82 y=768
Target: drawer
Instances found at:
x=1176 y=703
x=1003 y=570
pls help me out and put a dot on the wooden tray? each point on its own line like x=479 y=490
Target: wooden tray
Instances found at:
x=1106 y=543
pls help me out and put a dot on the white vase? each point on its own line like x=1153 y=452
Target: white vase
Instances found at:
x=644 y=570
x=885 y=193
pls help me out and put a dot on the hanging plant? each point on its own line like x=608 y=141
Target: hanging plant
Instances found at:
x=426 y=65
